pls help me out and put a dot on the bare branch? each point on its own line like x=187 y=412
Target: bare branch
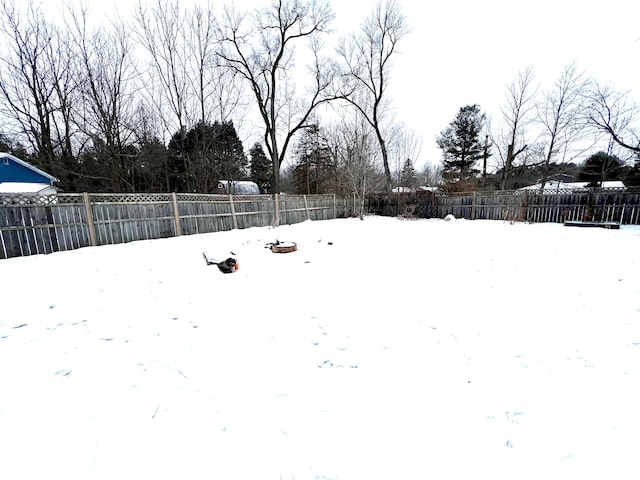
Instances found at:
x=367 y=56
x=616 y=115
x=262 y=53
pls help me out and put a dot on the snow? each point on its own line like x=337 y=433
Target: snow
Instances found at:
x=382 y=348
x=25 y=187
x=554 y=186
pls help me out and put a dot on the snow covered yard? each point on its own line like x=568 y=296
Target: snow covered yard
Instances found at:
x=380 y=349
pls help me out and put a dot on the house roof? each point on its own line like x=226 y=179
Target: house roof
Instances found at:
x=24 y=164
x=26 y=187
x=241 y=187
x=555 y=185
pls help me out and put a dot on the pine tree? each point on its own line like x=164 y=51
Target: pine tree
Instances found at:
x=461 y=144
x=600 y=167
x=315 y=170
x=408 y=175
x=261 y=168
x=206 y=153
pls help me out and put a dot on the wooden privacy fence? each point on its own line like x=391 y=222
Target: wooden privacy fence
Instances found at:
x=414 y=204
x=592 y=204
x=44 y=224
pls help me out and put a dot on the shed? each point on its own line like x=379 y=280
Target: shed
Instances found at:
x=237 y=187
x=27 y=188
x=14 y=170
x=21 y=182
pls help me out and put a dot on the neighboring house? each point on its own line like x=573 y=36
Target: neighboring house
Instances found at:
x=17 y=176
x=421 y=188
x=27 y=188
x=424 y=188
x=555 y=186
x=560 y=177
x=238 y=187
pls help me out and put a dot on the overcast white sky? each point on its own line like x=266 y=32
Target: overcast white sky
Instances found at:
x=466 y=51
x=462 y=52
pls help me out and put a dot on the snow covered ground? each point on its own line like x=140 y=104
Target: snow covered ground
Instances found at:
x=381 y=349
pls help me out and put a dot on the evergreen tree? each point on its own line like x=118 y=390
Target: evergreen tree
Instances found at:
x=8 y=145
x=261 y=168
x=152 y=172
x=315 y=170
x=600 y=167
x=632 y=178
x=461 y=144
x=5 y=147
x=408 y=175
x=177 y=163
x=229 y=157
x=205 y=154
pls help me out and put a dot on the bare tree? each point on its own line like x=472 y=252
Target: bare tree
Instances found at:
x=162 y=31
x=216 y=89
x=431 y=175
x=516 y=115
x=201 y=40
x=616 y=115
x=367 y=55
x=35 y=84
x=354 y=144
x=105 y=80
x=262 y=54
x=405 y=144
x=562 y=114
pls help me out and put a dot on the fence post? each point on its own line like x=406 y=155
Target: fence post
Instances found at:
x=176 y=214
x=233 y=212
x=276 y=209
x=306 y=207
x=524 y=206
x=590 y=207
x=90 y=225
x=473 y=206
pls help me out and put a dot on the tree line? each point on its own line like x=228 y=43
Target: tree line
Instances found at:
x=166 y=99
x=578 y=128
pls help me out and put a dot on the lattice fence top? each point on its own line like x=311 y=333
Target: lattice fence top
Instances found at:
x=70 y=198
x=78 y=198
x=216 y=197
x=572 y=191
x=27 y=199
x=546 y=191
x=129 y=197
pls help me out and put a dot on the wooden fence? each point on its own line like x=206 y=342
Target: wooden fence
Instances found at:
x=44 y=224
x=592 y=204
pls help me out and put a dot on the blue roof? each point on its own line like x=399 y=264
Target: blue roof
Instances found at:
x=12 y=169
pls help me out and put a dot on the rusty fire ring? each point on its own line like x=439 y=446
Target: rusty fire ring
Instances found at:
x=284 y=247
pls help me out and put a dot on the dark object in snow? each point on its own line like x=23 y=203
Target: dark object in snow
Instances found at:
x=229 y=265
x=608 y=225
x=282 y=247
